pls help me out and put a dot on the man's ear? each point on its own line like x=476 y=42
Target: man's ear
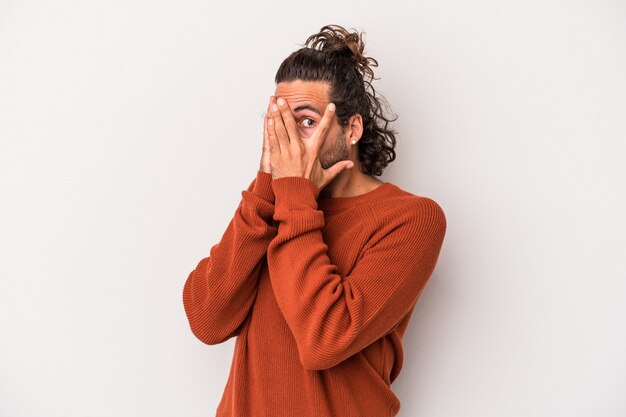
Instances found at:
x=355 y=128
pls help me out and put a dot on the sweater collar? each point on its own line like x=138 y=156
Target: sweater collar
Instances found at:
x=341 y=203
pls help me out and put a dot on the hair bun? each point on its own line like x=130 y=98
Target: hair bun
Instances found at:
x=336 y=40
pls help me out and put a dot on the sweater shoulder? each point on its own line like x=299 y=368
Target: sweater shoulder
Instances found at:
x=400 y=206
x=402 y=218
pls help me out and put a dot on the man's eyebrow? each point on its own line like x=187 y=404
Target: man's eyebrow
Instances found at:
x=307 y=107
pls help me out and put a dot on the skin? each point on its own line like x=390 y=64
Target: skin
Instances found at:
x=310 y=144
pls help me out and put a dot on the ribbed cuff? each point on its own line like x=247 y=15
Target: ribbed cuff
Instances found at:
x=295 y=192
x=263 y=186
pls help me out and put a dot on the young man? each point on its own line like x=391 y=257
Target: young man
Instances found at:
x=320 y=269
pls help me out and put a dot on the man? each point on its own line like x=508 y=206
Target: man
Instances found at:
x=320 y=269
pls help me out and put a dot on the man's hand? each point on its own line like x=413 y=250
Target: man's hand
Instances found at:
x=265 y=165
x=290 y=156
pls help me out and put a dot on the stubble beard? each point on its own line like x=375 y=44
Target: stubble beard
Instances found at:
x=338 y=152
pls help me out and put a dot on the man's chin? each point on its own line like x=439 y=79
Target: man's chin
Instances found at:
x=326 y=164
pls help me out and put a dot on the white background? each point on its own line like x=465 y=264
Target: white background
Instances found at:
x=129 y=129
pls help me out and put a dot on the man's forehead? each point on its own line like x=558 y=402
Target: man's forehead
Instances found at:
x=300 y=92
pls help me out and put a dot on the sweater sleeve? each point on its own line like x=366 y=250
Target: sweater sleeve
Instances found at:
x=332 y=317
x=219 y=292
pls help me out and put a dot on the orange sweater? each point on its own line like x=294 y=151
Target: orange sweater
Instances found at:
x=319 y=292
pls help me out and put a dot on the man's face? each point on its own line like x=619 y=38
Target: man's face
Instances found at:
x=307 y=100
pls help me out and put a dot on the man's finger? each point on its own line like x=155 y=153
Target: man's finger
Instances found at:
x=288 y=120
x=266 y=139
x=279 y=127
x=271 y=134
x=322 y=129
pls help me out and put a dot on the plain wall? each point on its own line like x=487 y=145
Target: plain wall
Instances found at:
x=129 y=129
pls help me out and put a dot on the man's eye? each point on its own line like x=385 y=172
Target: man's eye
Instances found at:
x=310 y=120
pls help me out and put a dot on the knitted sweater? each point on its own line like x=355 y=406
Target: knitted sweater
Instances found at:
x=319 y=292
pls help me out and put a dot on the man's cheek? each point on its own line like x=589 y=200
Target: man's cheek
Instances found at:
x=306 y=133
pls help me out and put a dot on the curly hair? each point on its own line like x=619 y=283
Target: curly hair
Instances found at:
x=335 y=55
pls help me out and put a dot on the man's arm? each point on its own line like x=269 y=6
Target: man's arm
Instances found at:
x=220 y=291
x=333 y=317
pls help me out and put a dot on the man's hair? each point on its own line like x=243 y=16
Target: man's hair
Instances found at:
x=335 y=55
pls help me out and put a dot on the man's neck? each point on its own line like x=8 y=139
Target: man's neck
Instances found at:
x=349 y=183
